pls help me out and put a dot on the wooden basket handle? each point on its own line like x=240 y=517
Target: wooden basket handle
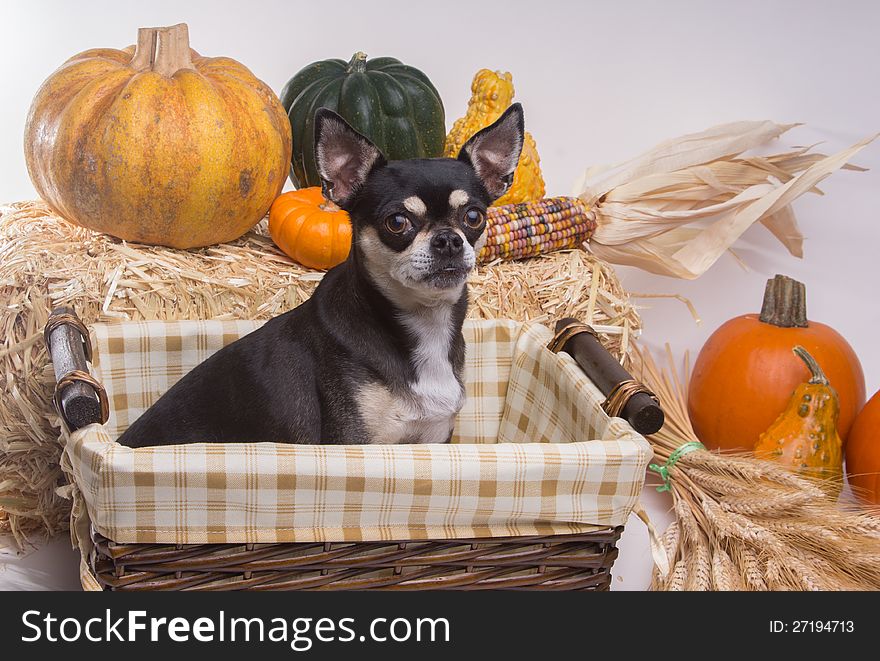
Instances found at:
x=79 y=398
x=82 y=400
x=625 y=397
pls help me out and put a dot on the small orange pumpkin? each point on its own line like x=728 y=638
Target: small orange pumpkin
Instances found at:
x=745 y=373
x=863 y=452
x=309 y=229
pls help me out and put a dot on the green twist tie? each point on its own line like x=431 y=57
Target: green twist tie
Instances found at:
x=678 y=453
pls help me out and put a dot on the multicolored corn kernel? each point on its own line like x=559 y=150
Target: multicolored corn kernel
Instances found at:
x=515 y=231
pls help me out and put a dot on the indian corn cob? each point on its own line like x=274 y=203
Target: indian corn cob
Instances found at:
x=526 y=229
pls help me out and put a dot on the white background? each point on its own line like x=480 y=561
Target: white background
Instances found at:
x=600 y=82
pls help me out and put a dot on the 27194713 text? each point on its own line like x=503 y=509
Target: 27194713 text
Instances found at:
x=812 y=626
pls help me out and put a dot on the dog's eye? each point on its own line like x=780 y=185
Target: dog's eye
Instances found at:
x=397 y=224
x=473 y=218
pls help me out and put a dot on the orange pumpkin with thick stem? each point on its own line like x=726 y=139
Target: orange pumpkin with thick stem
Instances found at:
x=309 y=229
x=863 y=452
x=746 y=372
x=157 y=144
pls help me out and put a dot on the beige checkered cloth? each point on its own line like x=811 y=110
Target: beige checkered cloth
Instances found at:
x=532 y=453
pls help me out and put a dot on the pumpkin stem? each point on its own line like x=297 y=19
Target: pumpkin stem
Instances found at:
x=785 y=303
x=329 y=205
x=357 y=63
x=163 y=50
x=818 y=376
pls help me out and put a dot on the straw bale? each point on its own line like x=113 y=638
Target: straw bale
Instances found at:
x=46 y=262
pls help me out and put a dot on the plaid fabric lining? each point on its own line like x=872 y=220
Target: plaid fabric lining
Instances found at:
x=522 y=461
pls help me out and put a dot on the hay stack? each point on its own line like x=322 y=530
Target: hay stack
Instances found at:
x=46 y=262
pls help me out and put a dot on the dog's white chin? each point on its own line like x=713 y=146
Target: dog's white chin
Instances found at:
x=446 y=279
x=425 y=291
x=409 y=279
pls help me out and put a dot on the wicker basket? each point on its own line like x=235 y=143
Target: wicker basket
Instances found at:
x=571 y=549
x=555 y=562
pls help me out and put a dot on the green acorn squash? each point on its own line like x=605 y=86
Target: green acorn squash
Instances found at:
x=394 y=105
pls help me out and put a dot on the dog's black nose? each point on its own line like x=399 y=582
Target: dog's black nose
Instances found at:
x=446 y=243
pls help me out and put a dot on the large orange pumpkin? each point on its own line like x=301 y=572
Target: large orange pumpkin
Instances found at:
x=745 y=373
x=157 y=144
x=863 y=452
x=309 y=229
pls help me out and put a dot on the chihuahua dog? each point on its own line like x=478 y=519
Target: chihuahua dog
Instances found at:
x=376 y=354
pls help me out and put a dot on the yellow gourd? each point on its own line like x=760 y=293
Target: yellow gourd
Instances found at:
x=491 y=94
x=804 y=437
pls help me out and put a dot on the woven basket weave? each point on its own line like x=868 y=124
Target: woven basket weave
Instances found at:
x=523 y=500
x=555 y=562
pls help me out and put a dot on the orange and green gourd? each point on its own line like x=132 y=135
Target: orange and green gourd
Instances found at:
x=804 y=437
x=491 y=94
x=394 y=105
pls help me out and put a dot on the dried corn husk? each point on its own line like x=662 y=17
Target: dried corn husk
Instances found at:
x=46 y=262
x=676 y=209
x=747 y=524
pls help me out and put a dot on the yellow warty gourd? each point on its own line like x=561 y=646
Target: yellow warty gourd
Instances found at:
x=491 y=94
x=804 y=437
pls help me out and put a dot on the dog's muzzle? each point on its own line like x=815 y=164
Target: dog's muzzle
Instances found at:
x=446 y=244
x=451 y=259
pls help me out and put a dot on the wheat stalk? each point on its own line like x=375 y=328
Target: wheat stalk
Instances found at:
x=747 y=524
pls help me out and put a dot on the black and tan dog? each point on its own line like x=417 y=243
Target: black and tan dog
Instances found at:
x=376 y=354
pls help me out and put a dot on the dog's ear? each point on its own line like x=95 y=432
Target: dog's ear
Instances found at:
x=344 y=157
x=494 y=151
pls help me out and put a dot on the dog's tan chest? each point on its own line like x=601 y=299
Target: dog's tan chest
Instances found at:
x=424 y=411
x=407 y=418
